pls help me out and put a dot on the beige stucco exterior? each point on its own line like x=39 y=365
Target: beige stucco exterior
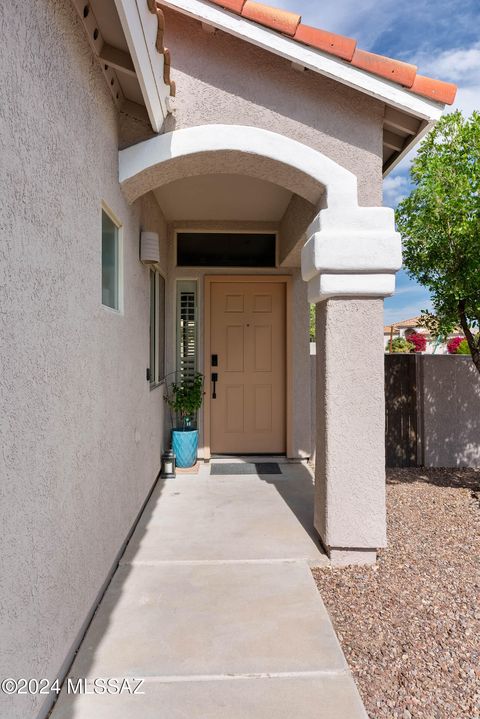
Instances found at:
x=220 y=79
x=81 y=430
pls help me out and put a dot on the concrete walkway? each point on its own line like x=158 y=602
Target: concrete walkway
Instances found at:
x=214 y=606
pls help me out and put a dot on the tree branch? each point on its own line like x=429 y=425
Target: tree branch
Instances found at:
x=472 y=343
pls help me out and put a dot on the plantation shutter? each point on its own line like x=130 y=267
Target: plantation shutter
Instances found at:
x=186 y=329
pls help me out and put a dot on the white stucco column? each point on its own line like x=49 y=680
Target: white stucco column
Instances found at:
x=350 y=262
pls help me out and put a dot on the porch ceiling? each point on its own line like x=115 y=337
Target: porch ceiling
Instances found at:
x=230 y=198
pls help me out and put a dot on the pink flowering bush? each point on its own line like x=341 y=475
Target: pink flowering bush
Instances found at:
x=453 y=344
x=418 y=341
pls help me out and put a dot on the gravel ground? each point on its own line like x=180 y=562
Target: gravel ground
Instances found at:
x=410 y=627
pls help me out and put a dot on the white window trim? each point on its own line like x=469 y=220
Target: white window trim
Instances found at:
x=159 y=381
x=120 y=269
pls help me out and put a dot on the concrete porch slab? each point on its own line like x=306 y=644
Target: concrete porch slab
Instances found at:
x=229 y=518
x=215 y=607
x=215 y=620
x=321 y=697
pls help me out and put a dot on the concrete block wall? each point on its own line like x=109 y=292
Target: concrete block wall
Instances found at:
x=449 y=410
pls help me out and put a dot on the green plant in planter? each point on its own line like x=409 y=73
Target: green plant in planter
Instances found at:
x=186 y=399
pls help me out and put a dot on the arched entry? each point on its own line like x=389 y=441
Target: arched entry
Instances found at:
x=351 y=250
x=349 y=260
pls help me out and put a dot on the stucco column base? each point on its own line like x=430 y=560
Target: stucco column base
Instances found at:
x=350 y=514
x=340 y=557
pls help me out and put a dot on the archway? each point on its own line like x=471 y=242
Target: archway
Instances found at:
x=349 y=259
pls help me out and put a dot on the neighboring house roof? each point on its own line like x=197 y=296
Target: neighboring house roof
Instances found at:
x=345 y=48
x=402 y=325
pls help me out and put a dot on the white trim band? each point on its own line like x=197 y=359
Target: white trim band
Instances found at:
x=358 y=240
x=356 y=252
x=322 y=287
x=341 y=184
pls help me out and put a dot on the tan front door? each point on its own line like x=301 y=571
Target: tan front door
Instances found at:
x=247 y=325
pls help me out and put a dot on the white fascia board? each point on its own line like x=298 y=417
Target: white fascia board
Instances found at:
x=140 y=28
x=315 y=60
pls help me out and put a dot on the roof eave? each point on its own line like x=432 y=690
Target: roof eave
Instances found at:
x=415 y=139
x=140 y=27
x=315 y=60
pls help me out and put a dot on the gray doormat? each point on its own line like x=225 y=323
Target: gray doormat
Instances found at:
x=245 y=468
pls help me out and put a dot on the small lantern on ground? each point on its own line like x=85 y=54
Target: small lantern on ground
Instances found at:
x=168 y=465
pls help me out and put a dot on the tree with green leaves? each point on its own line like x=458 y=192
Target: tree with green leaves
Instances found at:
x=440 y=225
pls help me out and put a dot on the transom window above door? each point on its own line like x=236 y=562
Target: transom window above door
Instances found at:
x=226 y=249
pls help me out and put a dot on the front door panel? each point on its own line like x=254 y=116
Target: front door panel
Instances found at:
x=248 y=334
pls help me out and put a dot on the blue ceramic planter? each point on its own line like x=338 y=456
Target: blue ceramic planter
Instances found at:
x=185 y=445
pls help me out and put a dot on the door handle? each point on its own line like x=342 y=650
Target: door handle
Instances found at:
x=214 y=382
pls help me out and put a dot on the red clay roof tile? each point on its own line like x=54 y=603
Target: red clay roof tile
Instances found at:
x=338 y=45
x=435 y=89
x=233 y=5
x=274 y=18
x=400 y=72
x=289 y=23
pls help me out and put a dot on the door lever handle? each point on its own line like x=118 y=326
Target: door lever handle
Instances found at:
x=214 y=382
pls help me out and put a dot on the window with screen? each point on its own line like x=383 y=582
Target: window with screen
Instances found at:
x=110 y=262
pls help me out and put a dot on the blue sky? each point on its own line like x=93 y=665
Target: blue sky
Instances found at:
x=441 y=37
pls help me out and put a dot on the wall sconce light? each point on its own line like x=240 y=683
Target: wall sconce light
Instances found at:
x=149 y=248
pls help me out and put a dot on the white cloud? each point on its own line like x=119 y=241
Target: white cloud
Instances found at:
x=395 y=187
x=458 y=65
x=348 y=17
x=468 y=99
x=413 y=289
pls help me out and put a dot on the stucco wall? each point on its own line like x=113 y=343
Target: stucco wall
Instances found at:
x=450 y=406
x=221 y=79
x=79 y=428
